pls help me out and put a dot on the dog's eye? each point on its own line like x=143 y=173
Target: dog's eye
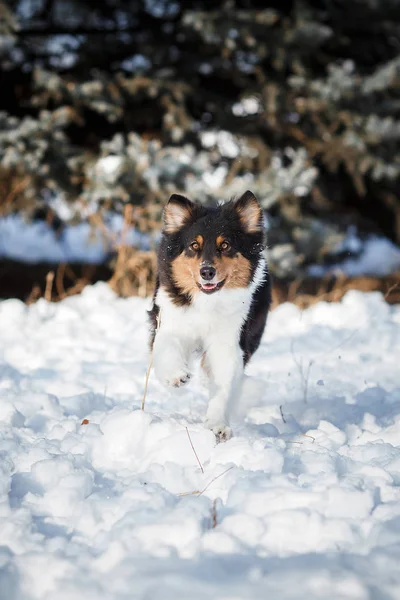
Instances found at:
x=194 y=246
x=225 y=246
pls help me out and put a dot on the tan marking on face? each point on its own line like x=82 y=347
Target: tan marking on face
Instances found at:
x=186 y=273
x=219 y=240
x=235 y=270
x=200 y=240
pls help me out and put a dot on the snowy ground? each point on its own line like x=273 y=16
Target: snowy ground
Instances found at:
x=303 y=501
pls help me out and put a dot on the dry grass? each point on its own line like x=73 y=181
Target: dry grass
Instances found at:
x=194 y=451
x=52 y=285
x=49 y=286
x=12 y=191
x=200 y=492
x=134 y=270
x=306 y=292
x=135 y=273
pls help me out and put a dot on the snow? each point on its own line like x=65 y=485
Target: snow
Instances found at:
x=247 y=106
x=215 y=180
x=227 y=143
x=109 y=168
x=375 y=256
x=36 y=241
x=162 y=8
x=100 y=500
x=64 y=49
x=135 y=63
x=27 y=9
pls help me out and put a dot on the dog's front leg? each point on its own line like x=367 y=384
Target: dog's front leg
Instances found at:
x=224 y=363
x=170 y=358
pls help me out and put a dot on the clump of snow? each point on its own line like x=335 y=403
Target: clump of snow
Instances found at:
x=162 y=8
x=214 y=180
x=109 y=168
x=247 y=106
x=26 y=9
x=63 y=49
x=225 y=141
x=135 y=63
x=205 y=68
x=101 y=500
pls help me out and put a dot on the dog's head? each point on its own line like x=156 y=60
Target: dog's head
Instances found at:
x=210 y=248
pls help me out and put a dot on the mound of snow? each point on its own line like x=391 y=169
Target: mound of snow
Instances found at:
x=99 y=500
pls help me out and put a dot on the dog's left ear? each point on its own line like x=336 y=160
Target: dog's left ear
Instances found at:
x=177 y=213
x=250 y=213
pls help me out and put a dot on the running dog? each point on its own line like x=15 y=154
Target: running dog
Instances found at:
x=212 y=297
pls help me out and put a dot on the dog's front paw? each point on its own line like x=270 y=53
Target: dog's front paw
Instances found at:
x=178 y=379
x=222 y=432
x=171 y=373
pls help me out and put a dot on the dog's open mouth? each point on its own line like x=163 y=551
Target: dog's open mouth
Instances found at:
x=209 y=288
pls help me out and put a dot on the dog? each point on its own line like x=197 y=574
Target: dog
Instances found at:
x=212 y=297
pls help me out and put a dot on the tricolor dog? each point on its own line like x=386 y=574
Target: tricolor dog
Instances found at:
x=212 y=297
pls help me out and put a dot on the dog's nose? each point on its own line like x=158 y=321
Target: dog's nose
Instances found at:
x=207 y=273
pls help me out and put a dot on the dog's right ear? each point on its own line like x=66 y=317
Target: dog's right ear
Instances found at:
x=177 y=213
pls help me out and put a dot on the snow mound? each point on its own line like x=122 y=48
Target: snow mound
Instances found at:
x=100 y=500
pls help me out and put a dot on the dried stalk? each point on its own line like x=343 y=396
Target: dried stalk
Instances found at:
x=193 y=448
x=49 y=285
x=198 y=492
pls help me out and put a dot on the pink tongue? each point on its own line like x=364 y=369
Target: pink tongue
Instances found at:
x=209 y=286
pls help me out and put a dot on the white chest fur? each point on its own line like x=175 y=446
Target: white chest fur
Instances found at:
x=208 y=314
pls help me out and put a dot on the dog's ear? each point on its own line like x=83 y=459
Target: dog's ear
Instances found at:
x=177 y=213
x=249 y=212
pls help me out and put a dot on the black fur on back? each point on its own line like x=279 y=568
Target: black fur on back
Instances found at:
x=253 y=327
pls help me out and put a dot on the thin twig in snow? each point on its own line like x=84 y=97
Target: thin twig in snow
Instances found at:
x=198 y=492
x=146 y=383
x=390 y=290
x=214 y=479
x=193 y=448
x=60 y=281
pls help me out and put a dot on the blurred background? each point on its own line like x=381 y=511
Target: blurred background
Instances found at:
x=106 y=108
